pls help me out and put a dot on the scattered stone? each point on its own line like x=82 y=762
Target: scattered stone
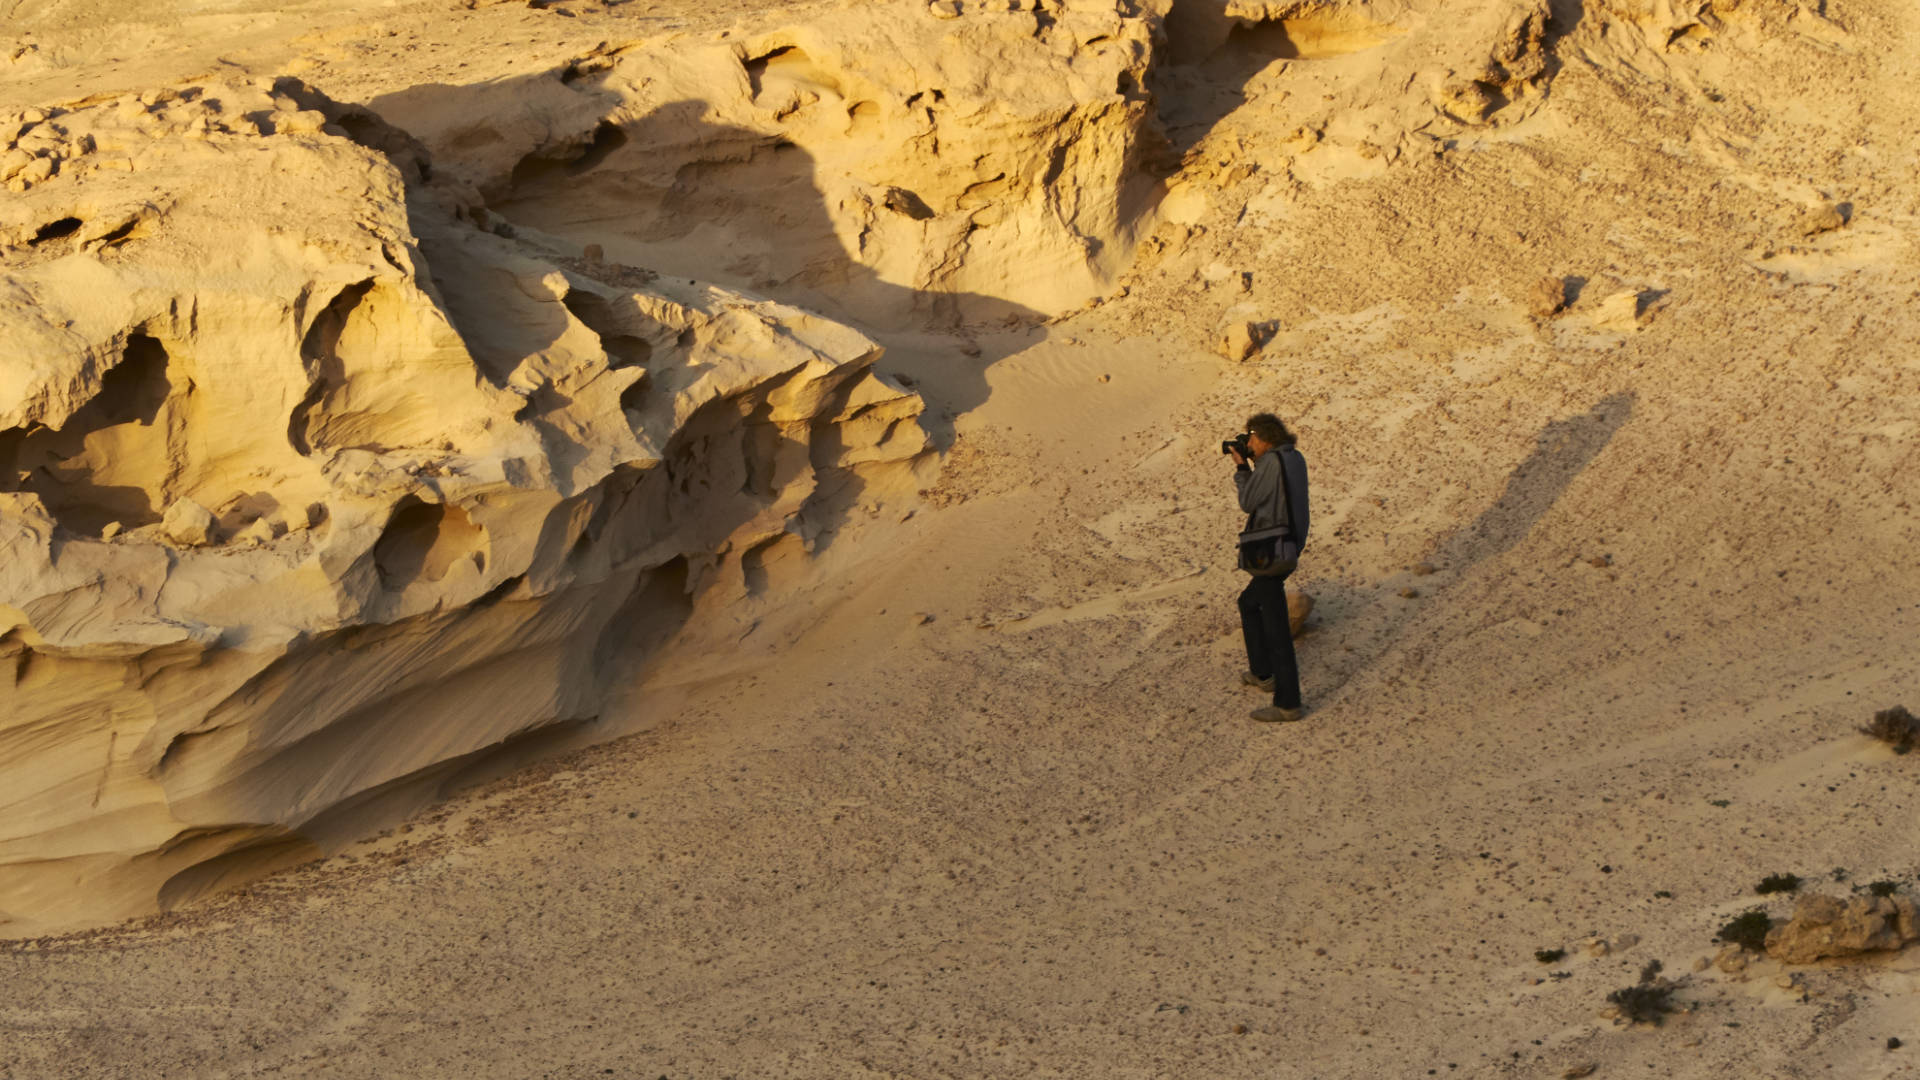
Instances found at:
x=1424 y=569
x=1702 y=963
x=944 y=9
x=1627 y=311
x=1598 y=947
x=1547 y=298
x=594 y=253
x=1242 y=333
x=1825 y=926
x=112 y=530
x=14 y=163
x=1578 y=1071
x=1409 y=593
x=187 y=523
x=1299 y=606
x=1823 y=218
x=1732 y=960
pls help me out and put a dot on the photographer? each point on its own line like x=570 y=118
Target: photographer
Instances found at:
x=1271 y=477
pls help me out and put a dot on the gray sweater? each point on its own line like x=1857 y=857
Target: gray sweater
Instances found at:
x=1261 y=491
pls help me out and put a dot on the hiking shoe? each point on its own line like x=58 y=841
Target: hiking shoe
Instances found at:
x=1273 y=714
x=1248 y=678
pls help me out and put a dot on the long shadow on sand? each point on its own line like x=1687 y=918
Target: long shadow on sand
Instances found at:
x=1562 y=451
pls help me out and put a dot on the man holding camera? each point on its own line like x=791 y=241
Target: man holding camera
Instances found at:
x=1272 y=480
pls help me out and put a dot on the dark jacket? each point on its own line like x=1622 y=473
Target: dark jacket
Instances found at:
x=1261 y=491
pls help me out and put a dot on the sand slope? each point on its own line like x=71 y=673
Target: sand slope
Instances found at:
x=1608 y=575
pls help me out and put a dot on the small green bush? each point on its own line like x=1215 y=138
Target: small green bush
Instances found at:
x=1896 y=727
x=1747 y=930
x=1549 y=956
x=1883 y=888
x=1774 y=883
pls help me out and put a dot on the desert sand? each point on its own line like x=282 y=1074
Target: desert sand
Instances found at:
x=584 y=538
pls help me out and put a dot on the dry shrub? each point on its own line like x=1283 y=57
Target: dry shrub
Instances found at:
x=1896 y=727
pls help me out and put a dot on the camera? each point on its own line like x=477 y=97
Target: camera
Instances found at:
x=1238 y=442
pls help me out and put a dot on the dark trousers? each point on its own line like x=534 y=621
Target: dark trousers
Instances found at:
x=1263 y=621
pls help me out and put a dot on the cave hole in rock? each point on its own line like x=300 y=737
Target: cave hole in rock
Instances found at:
x=423 y=540
x=623 y=349
x=789 y=64
x=569 y=159
x=633 y=400
x=320 y=351
x=658 y=607
x=55 y=230
x=110 y=461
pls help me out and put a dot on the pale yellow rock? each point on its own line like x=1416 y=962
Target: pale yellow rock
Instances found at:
x=1826 y=926
x=188 y=523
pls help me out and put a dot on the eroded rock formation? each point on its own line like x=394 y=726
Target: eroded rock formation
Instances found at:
x=295 y=518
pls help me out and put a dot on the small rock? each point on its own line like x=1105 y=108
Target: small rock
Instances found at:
x=1820 y=219
x=1424 y=569
x=14 y=163
x=594 y=253
x=1702 y=963
x=1732 y=960
x=923 y=619
x=1106 y=378
x=112 y=530
x=1242 y=334
x=1299 y=606
x=1547 y=298
x=1409 y=593
x=1786 y=980
x=187 y=523
x=37 y=170
x=1597 y=948
x=1578 y=1071
x=944 y=9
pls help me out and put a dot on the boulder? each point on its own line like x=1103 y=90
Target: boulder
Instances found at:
x=188 y=523
x=1827 y=926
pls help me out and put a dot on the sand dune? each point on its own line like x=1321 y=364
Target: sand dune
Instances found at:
x=890 y=722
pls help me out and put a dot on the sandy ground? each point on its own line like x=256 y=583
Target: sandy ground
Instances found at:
x=1600 y=609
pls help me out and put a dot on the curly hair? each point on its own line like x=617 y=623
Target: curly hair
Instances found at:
x=1269 y=428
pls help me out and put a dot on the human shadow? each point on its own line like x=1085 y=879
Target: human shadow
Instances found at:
x=1562 y=451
